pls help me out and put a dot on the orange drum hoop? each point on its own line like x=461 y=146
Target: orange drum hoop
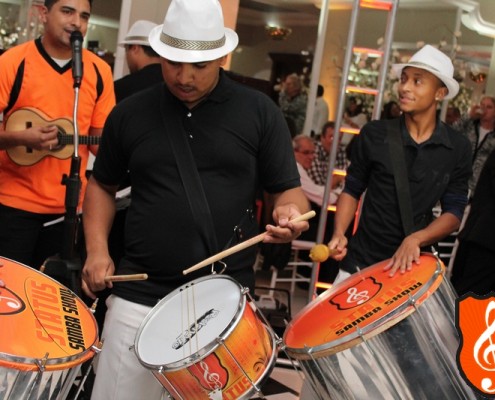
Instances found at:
x=214 y=344
x=45 y=327
x=362 y=306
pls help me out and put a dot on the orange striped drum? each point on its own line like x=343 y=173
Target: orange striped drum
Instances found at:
x=47 y=333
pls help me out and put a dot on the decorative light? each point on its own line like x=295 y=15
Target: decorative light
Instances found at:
x=377 y=4
x=477 y=77
x=277 y=32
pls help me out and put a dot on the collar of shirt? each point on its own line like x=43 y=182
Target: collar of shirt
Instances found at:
x=439 y=136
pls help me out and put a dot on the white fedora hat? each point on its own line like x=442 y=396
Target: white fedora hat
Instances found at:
x=433 y=60
x=193 y=31
x=139 y=32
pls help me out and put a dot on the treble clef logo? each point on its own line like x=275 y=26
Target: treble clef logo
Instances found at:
x=356 y=293
x=210 y=373
x=10 y=303
x=357 y=297
x=475 y=323
x=212 y=379
x=484 y=348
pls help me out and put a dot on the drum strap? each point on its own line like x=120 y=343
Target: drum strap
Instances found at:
x=189 y=174
x=398 y=160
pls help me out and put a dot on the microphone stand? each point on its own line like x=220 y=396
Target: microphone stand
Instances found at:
x=68 y=261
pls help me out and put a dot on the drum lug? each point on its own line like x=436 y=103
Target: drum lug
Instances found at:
x=97 y=347
x=245 y=290
x=41 y=363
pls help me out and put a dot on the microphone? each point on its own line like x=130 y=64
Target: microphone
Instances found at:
x=76 y=40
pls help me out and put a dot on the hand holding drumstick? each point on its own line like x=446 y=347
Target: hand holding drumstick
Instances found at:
x=125 y=278
x=241 y=246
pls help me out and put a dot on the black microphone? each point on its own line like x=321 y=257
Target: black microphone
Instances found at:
x=76 y=39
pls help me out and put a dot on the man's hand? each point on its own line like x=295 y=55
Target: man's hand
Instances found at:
x=338 y=244
x=407 y=254
x=287 y=230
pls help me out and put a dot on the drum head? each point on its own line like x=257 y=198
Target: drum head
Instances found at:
x=360 y=307
x=185 y=325
x=41 y=321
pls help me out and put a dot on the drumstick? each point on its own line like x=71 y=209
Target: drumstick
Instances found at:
x=123 y=278
x=242 y=245
x=321 y=252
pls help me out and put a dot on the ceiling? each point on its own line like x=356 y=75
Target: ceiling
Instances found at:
x=477 y=14
x=307 y=12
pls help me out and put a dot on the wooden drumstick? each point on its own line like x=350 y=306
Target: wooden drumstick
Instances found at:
x=124 y=278
x=241 y=246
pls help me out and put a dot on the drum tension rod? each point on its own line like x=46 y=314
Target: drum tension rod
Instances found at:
x=41 y=363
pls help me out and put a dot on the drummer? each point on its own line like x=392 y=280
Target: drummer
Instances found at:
x=438 y=168
x=239 y=141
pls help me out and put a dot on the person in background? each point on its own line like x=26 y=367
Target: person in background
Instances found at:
x=320 y=116
x=293 y=102
x=354 y=115
x=474 y=263
x=391 y=110
x=438 y=166
x=479 y=128
x=304 y=152
x=143 y=62
x=452 y=115
x=318 y=171
x=38 y=75
x=238 y=142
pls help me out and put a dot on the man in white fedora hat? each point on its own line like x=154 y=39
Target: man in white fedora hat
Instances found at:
x=143 y=62
x=438 y=167
x=405 y=165
x=198 y=150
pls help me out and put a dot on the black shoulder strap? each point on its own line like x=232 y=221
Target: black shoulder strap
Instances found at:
x=16 y=87
x=191 y=180
x=99 y=83
x=399 y=168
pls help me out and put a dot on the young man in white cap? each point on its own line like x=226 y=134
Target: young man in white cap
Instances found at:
x=143 y=62
x=239 y=141
x=437 y=160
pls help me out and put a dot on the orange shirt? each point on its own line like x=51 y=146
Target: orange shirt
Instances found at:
x=48 y=88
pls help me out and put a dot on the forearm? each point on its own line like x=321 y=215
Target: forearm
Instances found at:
x=437 y=230
x=10 y=139
x=295 y=197
x=346 y=210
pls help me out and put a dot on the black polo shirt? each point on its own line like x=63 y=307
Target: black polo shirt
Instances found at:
x=240 y=143
x=438 y=170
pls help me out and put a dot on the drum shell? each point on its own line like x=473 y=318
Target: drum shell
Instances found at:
x=408 y=354
x=47 y=334
x=242 y=354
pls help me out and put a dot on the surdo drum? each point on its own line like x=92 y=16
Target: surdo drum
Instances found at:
x=47 y=332
x=205 y=341
x=375 y=337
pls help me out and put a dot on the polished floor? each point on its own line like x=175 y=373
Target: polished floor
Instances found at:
x=285 y=381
